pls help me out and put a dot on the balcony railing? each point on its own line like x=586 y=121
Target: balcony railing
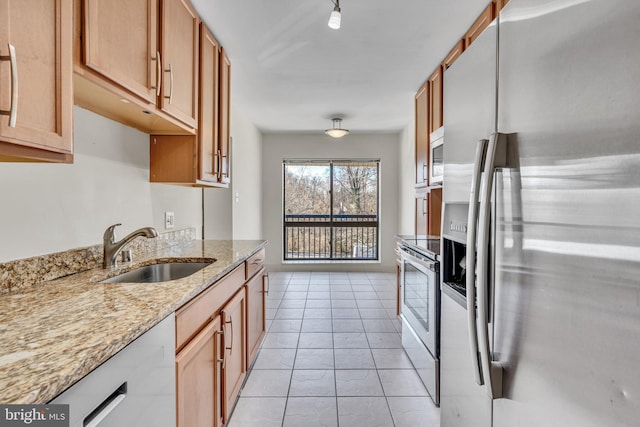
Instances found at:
x=330 y=237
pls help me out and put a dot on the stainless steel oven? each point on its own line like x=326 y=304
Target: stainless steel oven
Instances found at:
x=420 y=313
x=418 y=292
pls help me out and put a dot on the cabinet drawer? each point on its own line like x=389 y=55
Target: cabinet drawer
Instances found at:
x=254 y=263
x=191 y=317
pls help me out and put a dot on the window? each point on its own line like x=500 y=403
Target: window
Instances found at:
x=330 y=210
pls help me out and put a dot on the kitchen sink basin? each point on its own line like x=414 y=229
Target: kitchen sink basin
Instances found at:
x=161 y=272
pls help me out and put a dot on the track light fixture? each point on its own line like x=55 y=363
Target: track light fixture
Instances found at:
x=336 y=131
x=336 y=16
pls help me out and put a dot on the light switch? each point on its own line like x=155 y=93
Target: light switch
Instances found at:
x=169 y=221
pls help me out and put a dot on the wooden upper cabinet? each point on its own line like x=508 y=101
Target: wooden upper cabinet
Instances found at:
x=201 y=160
x=422 y=134
x=224 y=162
x=435 y=100
x=209 y=106
x=179 y=31
x=120 y=43
x=500 y=4
x=455 y=53
x=118 y=66
x=35 y=49
x=479 y=25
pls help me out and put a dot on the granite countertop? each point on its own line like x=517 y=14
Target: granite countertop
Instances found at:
x=55 y=333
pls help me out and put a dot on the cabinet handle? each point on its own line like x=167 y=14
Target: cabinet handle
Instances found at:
x=13 y=110
x=158 y=73
x=230 y=348
x=425 y=172
x=424 y=206
x=219 y=168
x=226 y=174
x=223 y=359
x=266 y=276
x=170 y=71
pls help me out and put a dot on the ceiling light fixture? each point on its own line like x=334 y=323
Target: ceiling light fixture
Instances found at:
x=336 y=131
x=336 y=16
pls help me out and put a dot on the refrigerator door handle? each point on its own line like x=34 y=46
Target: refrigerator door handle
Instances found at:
x=495 y=157
x=471 y=258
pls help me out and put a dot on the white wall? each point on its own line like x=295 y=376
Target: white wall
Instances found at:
x=277 y=147
x=247 y=178
x=52 y=207
x=228 y=217
x=406 y=183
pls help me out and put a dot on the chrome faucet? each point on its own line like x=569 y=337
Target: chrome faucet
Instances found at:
x=113 y=248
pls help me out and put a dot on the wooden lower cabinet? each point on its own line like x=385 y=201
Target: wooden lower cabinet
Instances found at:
x=234 y=369
x=218 y=334
x=198 y=382
x=255 y=314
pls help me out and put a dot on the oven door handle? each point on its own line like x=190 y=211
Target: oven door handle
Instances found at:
x=471 y=258
x=430 y=265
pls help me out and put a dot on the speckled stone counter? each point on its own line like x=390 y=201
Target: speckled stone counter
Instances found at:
x=55 y=333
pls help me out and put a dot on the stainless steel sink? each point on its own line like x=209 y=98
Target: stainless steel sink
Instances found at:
x=161 y=272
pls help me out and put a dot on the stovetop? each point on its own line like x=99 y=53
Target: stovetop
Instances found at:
x=427 y=245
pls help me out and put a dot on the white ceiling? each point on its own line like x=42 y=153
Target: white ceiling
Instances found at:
x=292 y=73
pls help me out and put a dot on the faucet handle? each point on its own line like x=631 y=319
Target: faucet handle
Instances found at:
x=110 y=233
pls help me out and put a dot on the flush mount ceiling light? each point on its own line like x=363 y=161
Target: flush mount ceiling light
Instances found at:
x=336 y=131
x=336 y=17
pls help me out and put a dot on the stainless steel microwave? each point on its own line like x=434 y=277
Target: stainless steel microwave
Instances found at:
x=436 y=156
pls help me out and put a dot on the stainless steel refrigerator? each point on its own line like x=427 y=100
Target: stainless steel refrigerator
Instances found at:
x=542 y=135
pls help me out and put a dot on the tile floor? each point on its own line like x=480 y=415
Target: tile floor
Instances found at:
x=333 y=356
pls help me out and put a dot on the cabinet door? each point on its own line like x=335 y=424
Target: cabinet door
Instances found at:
x=209 y=103
x=120 y=43
x=435 y=100
x=434 y=212
x=422 y=134
x=224 y=171
x=255 y=314
x=179 y=59
x=198 y=379
x=479 y=25
x=500 y=4
x=455 y=53
x=234 y=368
x=36 y=48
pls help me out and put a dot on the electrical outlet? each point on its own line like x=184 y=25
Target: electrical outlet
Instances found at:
x=169 y=220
